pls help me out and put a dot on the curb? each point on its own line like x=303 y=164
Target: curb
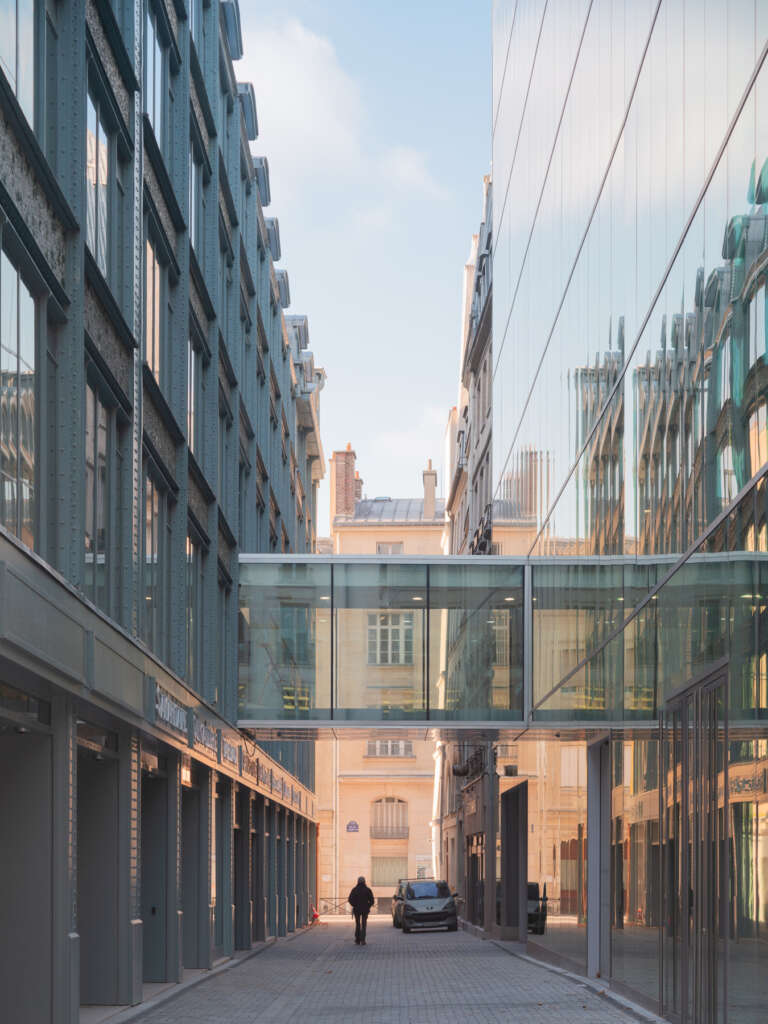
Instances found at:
x=599 y=989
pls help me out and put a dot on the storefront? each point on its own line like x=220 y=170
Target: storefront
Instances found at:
x=137 y=814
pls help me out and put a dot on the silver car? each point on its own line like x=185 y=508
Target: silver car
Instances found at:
x=428 y=904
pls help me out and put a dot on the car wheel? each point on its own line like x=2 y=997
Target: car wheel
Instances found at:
x=406 y=929
x=453 y=927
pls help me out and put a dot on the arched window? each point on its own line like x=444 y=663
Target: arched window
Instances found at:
x=389 y=818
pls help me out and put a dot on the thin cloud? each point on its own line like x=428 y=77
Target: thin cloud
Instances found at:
x=407 y=168
x=313 y=120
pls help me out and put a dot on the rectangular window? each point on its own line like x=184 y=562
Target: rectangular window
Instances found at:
x=155 y=583
x=17 y=49
x=153 y=311
x=388 y=870
x=195 y=590
x=390 y=638
x=223 y=454
x=97 y=178
x=154 y=77
x=193 y=396
x=394 y=547
x=195 y=200
x=18 y=417
x=195 y=20
x=390 y=748
x=224 y=591
x=98 y=448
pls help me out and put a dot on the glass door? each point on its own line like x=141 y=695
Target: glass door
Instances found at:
x=694 y=817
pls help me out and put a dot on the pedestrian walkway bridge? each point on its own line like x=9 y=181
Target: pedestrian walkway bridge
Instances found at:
x=492 y=642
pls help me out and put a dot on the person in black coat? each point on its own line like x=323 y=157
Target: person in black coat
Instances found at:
x=362 y=900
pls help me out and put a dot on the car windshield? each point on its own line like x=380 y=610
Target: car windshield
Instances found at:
x=427 y=890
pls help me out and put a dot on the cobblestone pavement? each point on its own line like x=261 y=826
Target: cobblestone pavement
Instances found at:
x=424 y=977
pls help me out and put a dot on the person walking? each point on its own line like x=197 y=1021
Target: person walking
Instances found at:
x=361 y=899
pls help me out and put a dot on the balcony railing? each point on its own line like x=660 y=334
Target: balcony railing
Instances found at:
x=389 y=831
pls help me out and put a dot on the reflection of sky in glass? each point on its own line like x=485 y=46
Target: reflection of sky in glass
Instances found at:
x=570 y=267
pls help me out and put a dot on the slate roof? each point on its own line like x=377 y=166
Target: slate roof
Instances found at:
x=396 y=510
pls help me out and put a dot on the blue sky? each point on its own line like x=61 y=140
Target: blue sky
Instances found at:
x=375 y=119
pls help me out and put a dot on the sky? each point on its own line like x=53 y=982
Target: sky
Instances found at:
x=375 y=119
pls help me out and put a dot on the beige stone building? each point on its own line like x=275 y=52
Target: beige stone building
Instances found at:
x=375 y=790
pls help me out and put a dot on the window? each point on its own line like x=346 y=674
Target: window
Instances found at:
x=194 y=397
x=390 y=748
x=296 y=634
x=389 y=818
x=223 y=450
x=388 y=870
x=726 y=476
x=224 y=594
x=17 y=48
x=758 y=438
x=102 y=505
x=390 y=638
x=394 y=547
x=153 y=311
x=18 y=418
x=154 y=76
x=758 y=325
x=501 y=636
x=156 y=582
x=196 y=200
x=195 y=20
x=97 y=176
x=195 y=591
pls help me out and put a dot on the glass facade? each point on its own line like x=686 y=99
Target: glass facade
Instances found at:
x=630 y=262
x=386 y=640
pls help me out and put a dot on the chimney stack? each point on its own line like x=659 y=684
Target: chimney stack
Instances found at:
x=346 y=485
x=430 y=488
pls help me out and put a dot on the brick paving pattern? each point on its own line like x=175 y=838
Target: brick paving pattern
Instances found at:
x=421 y=978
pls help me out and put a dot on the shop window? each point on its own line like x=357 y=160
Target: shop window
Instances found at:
x=18 y=405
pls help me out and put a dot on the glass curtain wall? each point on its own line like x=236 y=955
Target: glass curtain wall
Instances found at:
x=380 y=641
x=630 y=156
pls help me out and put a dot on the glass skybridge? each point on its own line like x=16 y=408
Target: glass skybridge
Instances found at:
x=332 y=641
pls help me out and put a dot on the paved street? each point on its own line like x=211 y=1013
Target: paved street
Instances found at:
x=396 y=979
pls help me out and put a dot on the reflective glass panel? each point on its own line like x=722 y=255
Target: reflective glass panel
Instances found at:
x=284 y=642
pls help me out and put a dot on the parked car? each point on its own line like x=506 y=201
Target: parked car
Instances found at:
x=397 y=902
x=424 y=903
x=537 y=908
